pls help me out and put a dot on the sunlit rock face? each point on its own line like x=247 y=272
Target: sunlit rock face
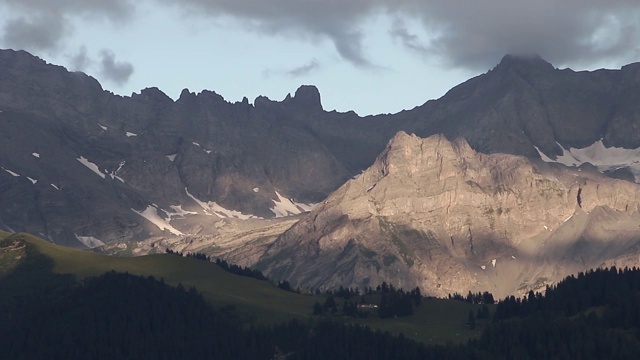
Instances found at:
x=439 y=215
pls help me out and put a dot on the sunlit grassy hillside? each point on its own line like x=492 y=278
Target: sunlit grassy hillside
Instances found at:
x=435 y=321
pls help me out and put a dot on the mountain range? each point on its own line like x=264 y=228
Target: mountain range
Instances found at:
x=523 y=145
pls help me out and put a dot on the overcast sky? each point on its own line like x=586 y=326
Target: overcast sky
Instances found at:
x=371 y=56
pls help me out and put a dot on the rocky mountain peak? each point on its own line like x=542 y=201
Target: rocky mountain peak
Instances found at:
x=153 y=94
x=20 y=57
x=308 y=98
x=409 y=154
x=186 y=93
x=439 y=215
x=524 y=62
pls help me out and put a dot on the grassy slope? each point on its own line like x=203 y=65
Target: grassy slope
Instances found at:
x=253 y=298
x=435 y=321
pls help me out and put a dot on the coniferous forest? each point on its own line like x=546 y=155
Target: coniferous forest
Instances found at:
x=593 y=315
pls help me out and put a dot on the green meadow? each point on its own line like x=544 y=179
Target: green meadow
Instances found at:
x=435 y=321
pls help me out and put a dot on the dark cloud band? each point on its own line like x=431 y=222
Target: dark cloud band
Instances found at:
x=459 y=33
x=463 y=34
x=116 y=71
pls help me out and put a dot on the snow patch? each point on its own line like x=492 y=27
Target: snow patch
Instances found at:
x=11 y=172
x=33 y=181
x=130 y=134
x=120 y=166
x=103 y=127
x=208 y=151
x=286 y=207
x=603 y=158
x=114 y=173
x=89 y=241
x=91 y=166
x=151 y=214
x=255 y=189
x=513 y=257
x=171 y=157
x=178 y=213
x=226 y=213
x=567 y=219
x=483 y=267
x=493 y=262
x=195 y=143
x=36 y=155
x=55 y=187
x=305 y=207
x=212 y=208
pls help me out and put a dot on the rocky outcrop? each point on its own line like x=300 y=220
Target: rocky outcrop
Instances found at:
x=239 y=242
x=439 y=215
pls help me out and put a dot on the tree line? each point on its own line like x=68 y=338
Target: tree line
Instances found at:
x=392 y=302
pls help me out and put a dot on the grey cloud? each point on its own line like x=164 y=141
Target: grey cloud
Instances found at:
x=304 y=69
x=296 y=72
x=80 y=61
x=476 y=34
x=458 y=33
x=41 y=33
x=461 y=33
x=334 y=20
x=399 y=31
x=114 y=10
x=42 y=24
x=116 y=71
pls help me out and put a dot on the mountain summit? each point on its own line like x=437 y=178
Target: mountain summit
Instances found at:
x=307 y=97
x=437 y=214
x=525 y=62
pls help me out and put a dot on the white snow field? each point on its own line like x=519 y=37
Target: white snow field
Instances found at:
x=151 y=214
x=212 y=208
x=285 y=207
x=91 y=166
x=603 y=158
x=11 y=172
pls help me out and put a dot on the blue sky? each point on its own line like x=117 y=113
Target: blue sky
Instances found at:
x=370 y=56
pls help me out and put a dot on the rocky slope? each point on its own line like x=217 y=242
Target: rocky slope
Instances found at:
x=240 y=242
x=82 y=166
x=439 y=215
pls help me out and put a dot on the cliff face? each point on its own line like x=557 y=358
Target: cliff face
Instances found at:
x=436 y=214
